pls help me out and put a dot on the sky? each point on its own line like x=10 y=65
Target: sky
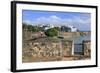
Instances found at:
x=82 y=21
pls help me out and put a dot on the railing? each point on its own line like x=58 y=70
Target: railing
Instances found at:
x=78 y=49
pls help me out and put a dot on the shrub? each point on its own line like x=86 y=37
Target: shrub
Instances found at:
x=51 y=32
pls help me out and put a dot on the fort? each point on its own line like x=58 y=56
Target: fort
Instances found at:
x=36 y=47
x=43 y=49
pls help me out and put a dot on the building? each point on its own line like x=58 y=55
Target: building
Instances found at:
x=48 y=26
x=65 y=29
x=73 y=29
x=68 y=29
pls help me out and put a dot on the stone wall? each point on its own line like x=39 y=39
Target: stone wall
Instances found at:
x=42 y=50
x=50 y=50
x=72 y=34
x=26 y=34
x=87 y=48
x=68 y=34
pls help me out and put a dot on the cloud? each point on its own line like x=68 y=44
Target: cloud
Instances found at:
x=48 y=20
x=27 y=21
x=82 y=20
x=55 y=20
x=54 y=17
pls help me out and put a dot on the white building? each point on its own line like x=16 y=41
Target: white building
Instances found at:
x=73 y=29
x=49 y=26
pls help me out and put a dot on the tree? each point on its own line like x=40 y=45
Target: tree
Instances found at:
x=57 y=28
x=51 y=32
x=32 y=28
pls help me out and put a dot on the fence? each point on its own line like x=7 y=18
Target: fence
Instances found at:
x=78 y=49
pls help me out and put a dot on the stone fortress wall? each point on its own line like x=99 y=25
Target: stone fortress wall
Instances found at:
x=46 y=49
x=55 y=50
